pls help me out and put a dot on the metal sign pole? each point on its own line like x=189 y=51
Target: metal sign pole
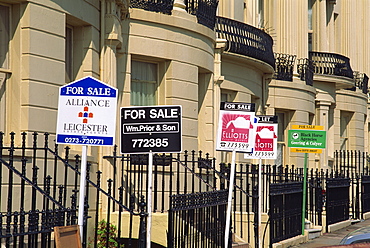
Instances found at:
x=260 y=203
x=81 y=205
x=304 y=192
x=149 y=200
x=230 y=197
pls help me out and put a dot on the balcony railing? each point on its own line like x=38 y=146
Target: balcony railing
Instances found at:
x=245 y=40
x=161 y=6
x=362 y=81
x=305 y=70
x=284 y=65
x=204 y=10
x=331 y=64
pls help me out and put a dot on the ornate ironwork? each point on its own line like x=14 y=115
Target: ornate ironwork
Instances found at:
x=200 y=217
x=30 y=221
x=162 y=6
x=337 y=198
x=285 y=210
x=245 y=40
x=305 y=70
x=204 y=10
x=331 y=64
x=362 y=82
x=284 y=65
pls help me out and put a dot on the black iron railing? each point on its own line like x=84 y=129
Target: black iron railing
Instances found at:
x=305 y=70
x=284 y=65
x=42 y=191
x=365 y=199
x=351 y=162
x=161 y=6
x=285 y=210
x=337 y=200
x=51 y=182
x=197 y=219
x=331 y=64
x=204 y=10
x=361 y=82
x=245 y=40
x=315 y=197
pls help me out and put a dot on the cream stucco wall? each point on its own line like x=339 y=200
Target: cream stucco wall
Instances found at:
x=193 y=70
x=184 y=51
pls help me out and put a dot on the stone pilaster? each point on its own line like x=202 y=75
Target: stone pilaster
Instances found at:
x=322 y=119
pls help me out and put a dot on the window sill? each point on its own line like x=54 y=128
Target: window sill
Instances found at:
x=5 y=70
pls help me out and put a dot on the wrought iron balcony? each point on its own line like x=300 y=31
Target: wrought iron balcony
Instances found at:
x=284 y=65
x=161 y=6
x=204 y=10
x=331 y=64
x=362 y=81
x=305 y=70
x=245 y=40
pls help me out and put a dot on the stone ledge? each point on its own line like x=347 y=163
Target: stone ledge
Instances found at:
x=339 y=225
x=292 y=241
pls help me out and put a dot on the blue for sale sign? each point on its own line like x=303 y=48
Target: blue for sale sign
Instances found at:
x=87 y=113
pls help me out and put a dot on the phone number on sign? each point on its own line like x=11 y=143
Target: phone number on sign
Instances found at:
x=84 y=141
x=158 y=142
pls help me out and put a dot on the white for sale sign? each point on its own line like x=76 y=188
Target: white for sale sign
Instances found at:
x=87 y=113
x=236 y=127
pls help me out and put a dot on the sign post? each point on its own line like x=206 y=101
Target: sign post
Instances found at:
x=235 y=134
x=306 y=139
x=265 y=148
x=86 y=116
x=151 y=129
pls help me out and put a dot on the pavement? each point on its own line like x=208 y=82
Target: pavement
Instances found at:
x=329 y=239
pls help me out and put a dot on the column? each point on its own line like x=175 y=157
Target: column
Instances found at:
x=320 y=41
x=179 y=5
x=322 y=117
x=218 y=79
x=111 y=40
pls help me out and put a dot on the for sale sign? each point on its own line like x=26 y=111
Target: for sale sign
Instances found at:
x=236 y=127
x=87 y=113
x=266 y=138
x=307 y=138
x=147 y=129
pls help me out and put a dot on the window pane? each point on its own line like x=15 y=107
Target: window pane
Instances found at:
x=68 y=54
x=144 y=71
x=143 y=83
x=281 y=126
x=4 y=36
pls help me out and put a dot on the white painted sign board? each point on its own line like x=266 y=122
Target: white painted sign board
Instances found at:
x=266 y=138
x=87 y=113
x=236 y=127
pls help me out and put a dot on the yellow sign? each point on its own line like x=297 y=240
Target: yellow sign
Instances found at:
x=306 y=150
x=309 y=127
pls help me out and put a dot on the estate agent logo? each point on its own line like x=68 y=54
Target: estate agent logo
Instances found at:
x=235 y=128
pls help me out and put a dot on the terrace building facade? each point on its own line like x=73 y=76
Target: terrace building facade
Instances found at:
x=304 y=61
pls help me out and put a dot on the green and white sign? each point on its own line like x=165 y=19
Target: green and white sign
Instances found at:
x=301 y=138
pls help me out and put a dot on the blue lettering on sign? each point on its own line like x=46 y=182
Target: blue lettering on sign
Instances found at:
x=88 y=86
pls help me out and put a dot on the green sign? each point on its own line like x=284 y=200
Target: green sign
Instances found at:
x=314 y=139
